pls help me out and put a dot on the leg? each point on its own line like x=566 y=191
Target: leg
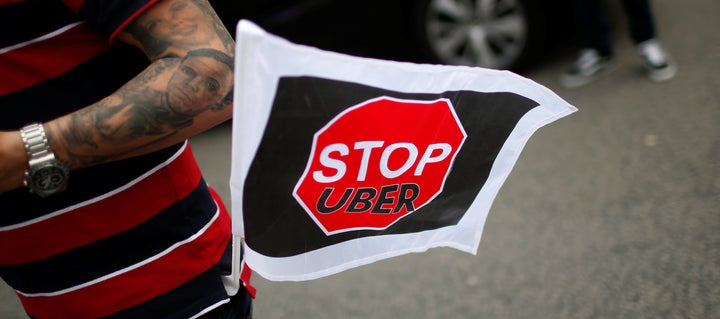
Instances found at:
x=640 y=19
x=239 y=307
x=596 y=58
x=592 y=19
x=658 y=64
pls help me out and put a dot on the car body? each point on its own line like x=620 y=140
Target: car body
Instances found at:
x=500 y=34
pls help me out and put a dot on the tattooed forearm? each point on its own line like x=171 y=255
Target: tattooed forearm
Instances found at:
x=157 y=104
x=186 y=89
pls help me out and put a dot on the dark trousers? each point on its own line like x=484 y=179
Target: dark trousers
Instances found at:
x=239 y=307
x=592 y=18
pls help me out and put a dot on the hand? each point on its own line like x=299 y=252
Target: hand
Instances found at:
x=13 y=161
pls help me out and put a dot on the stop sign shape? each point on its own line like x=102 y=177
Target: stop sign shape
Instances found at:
x=378 y=162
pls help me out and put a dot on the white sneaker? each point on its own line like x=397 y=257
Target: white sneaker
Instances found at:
x=658 y=64
x=588 y=67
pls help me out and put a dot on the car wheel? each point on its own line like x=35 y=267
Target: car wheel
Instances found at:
x=498 y=34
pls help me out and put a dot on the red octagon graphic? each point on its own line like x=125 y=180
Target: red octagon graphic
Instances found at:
x=378 y=162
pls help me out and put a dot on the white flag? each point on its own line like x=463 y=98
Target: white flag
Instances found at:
x=340 y=161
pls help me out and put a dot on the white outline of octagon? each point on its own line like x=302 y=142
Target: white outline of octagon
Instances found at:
x=350 y=109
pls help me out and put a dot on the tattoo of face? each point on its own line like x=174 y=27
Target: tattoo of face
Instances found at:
x=202 y=78
x=182 y=25
x=217 y=25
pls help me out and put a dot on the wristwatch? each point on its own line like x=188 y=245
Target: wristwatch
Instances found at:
x=45 y=175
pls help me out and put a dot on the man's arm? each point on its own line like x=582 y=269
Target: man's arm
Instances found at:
x=187 y=89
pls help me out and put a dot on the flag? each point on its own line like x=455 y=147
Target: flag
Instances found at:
x=340 y=161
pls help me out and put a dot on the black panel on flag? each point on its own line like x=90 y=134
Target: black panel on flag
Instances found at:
x=279 y=226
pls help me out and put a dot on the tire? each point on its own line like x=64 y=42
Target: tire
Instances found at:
x=497 y=34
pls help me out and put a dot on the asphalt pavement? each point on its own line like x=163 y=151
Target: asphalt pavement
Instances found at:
x=611 y=212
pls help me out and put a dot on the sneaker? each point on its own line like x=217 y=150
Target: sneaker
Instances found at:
x=658 y=64
x=589 y=66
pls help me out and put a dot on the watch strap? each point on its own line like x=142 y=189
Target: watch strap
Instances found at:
x=36 y=143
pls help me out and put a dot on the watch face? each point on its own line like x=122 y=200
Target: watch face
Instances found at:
x=48 y=179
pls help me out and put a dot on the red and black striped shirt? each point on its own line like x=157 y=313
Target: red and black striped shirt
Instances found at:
x=137 y=238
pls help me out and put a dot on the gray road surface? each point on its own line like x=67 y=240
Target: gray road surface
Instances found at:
x=612 y=212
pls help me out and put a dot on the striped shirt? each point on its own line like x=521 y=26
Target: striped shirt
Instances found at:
x=138 y=238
